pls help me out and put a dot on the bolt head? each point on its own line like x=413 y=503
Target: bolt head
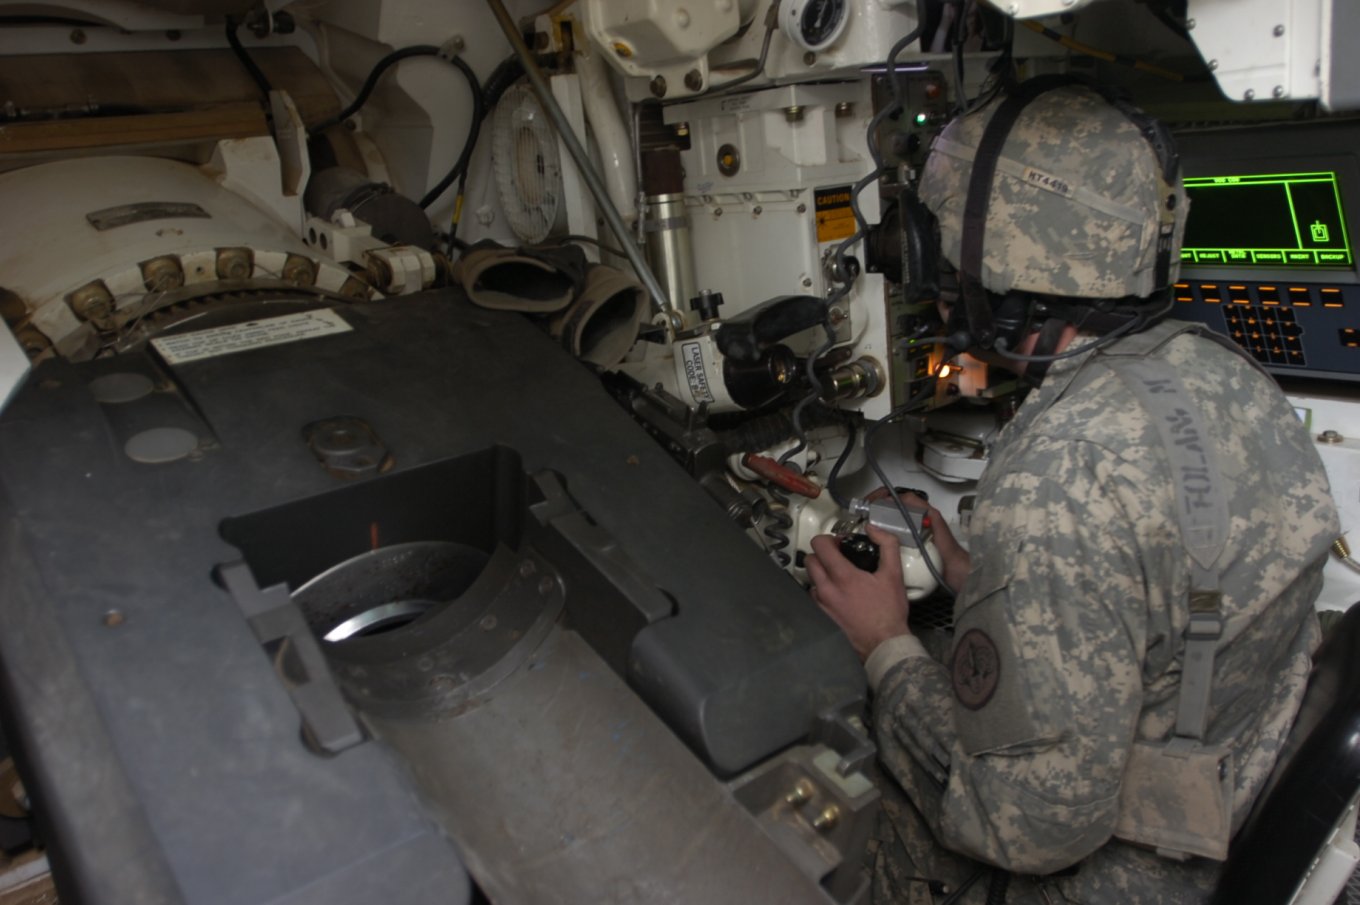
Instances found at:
x=1249 y=95
x=1213 y=65
x=1277 y=91
x=694 y=80
x=1278 y=31
x=658 y=86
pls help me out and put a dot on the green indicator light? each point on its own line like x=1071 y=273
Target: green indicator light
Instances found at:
x=920 y=119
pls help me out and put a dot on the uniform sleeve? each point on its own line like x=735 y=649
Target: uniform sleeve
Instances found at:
x=1013 y=750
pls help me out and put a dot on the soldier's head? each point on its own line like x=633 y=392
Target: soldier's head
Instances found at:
x=1056 y=205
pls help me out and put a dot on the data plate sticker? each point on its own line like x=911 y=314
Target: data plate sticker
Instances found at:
x=256 y=334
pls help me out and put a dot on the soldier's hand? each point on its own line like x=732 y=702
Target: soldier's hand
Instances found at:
x=870 y=607
x=955 y=559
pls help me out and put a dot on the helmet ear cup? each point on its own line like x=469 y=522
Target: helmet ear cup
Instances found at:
x=920 y=249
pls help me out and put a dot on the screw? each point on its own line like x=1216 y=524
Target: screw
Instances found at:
x=802 y=209
x=1330 y=436
x=826 y=821
x=1277 y=91
x=694 y=80
x=807 y=282
x=114 y=618
x=1278 y=31
x=793 y=114
x=844 y=109
x=1249 y=95
x=1213 y=65
x=800 y=794
x=659 y=86
x=809 y=58
x=717 y=212
x=836 y=316
x=757 y=211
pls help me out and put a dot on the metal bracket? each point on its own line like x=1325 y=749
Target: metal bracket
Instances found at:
x=301 y=667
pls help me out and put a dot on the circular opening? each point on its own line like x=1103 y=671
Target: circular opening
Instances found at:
x=387 y=589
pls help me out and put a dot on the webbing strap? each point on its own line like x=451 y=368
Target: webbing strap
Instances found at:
x=1202 y=510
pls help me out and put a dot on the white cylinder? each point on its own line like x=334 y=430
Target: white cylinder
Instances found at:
x=611 y=136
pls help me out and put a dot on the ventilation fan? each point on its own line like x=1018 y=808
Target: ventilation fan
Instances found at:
x=527 y=167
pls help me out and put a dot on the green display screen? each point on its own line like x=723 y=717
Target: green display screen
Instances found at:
x=1266 y=220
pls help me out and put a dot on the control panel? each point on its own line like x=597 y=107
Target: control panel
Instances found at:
x=1288 y=326
x=1267 y=257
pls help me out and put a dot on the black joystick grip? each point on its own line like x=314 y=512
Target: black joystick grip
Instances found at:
x=860 y=550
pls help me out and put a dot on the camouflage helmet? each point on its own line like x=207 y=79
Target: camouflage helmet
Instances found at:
x=1077 y=204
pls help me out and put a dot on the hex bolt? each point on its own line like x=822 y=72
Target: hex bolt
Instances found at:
x=800 y=794
x=300 y=270
x=1330 y=436
x=162 y=274
x=235 y=263
x=826 y=821
x=694 y=80
x=93 y=302
x=793 y=113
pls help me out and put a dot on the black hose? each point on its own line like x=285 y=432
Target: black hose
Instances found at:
x=386 y=63
x=460 y=166
x=478 y=108
x=256 y=74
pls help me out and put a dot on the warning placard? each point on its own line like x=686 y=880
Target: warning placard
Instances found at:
x=266 y=331
x=835 y=219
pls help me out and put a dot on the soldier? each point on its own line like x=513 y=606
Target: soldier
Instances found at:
x=1134 y=626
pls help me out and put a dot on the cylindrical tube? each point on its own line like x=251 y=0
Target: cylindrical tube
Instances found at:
x=616 y=151
x=668 y=246
x=660 y=299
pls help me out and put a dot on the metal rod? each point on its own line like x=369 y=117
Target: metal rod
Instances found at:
x=593 y=181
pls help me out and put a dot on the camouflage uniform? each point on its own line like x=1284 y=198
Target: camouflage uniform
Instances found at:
x=1068 y=637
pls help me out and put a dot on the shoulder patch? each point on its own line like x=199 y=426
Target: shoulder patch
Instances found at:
x=976 y=669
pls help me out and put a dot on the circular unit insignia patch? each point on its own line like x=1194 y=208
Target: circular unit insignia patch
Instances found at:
x=976 y=669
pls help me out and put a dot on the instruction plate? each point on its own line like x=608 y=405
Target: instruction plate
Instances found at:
x=256 y=334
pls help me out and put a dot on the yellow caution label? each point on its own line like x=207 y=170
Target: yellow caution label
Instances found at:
x=835 y=218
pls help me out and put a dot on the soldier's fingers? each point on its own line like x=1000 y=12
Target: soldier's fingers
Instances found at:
x=826 y=548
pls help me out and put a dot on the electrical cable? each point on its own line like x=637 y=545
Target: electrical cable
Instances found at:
x=460 y=166
x=371 y=82
x=772 y=23
x=897 y=413
x=1134 y=323
x=845 y=277
x=852 y=429
x=256 y=74
x=387 y=62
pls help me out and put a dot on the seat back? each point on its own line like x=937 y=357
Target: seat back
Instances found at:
x=1313 y=785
